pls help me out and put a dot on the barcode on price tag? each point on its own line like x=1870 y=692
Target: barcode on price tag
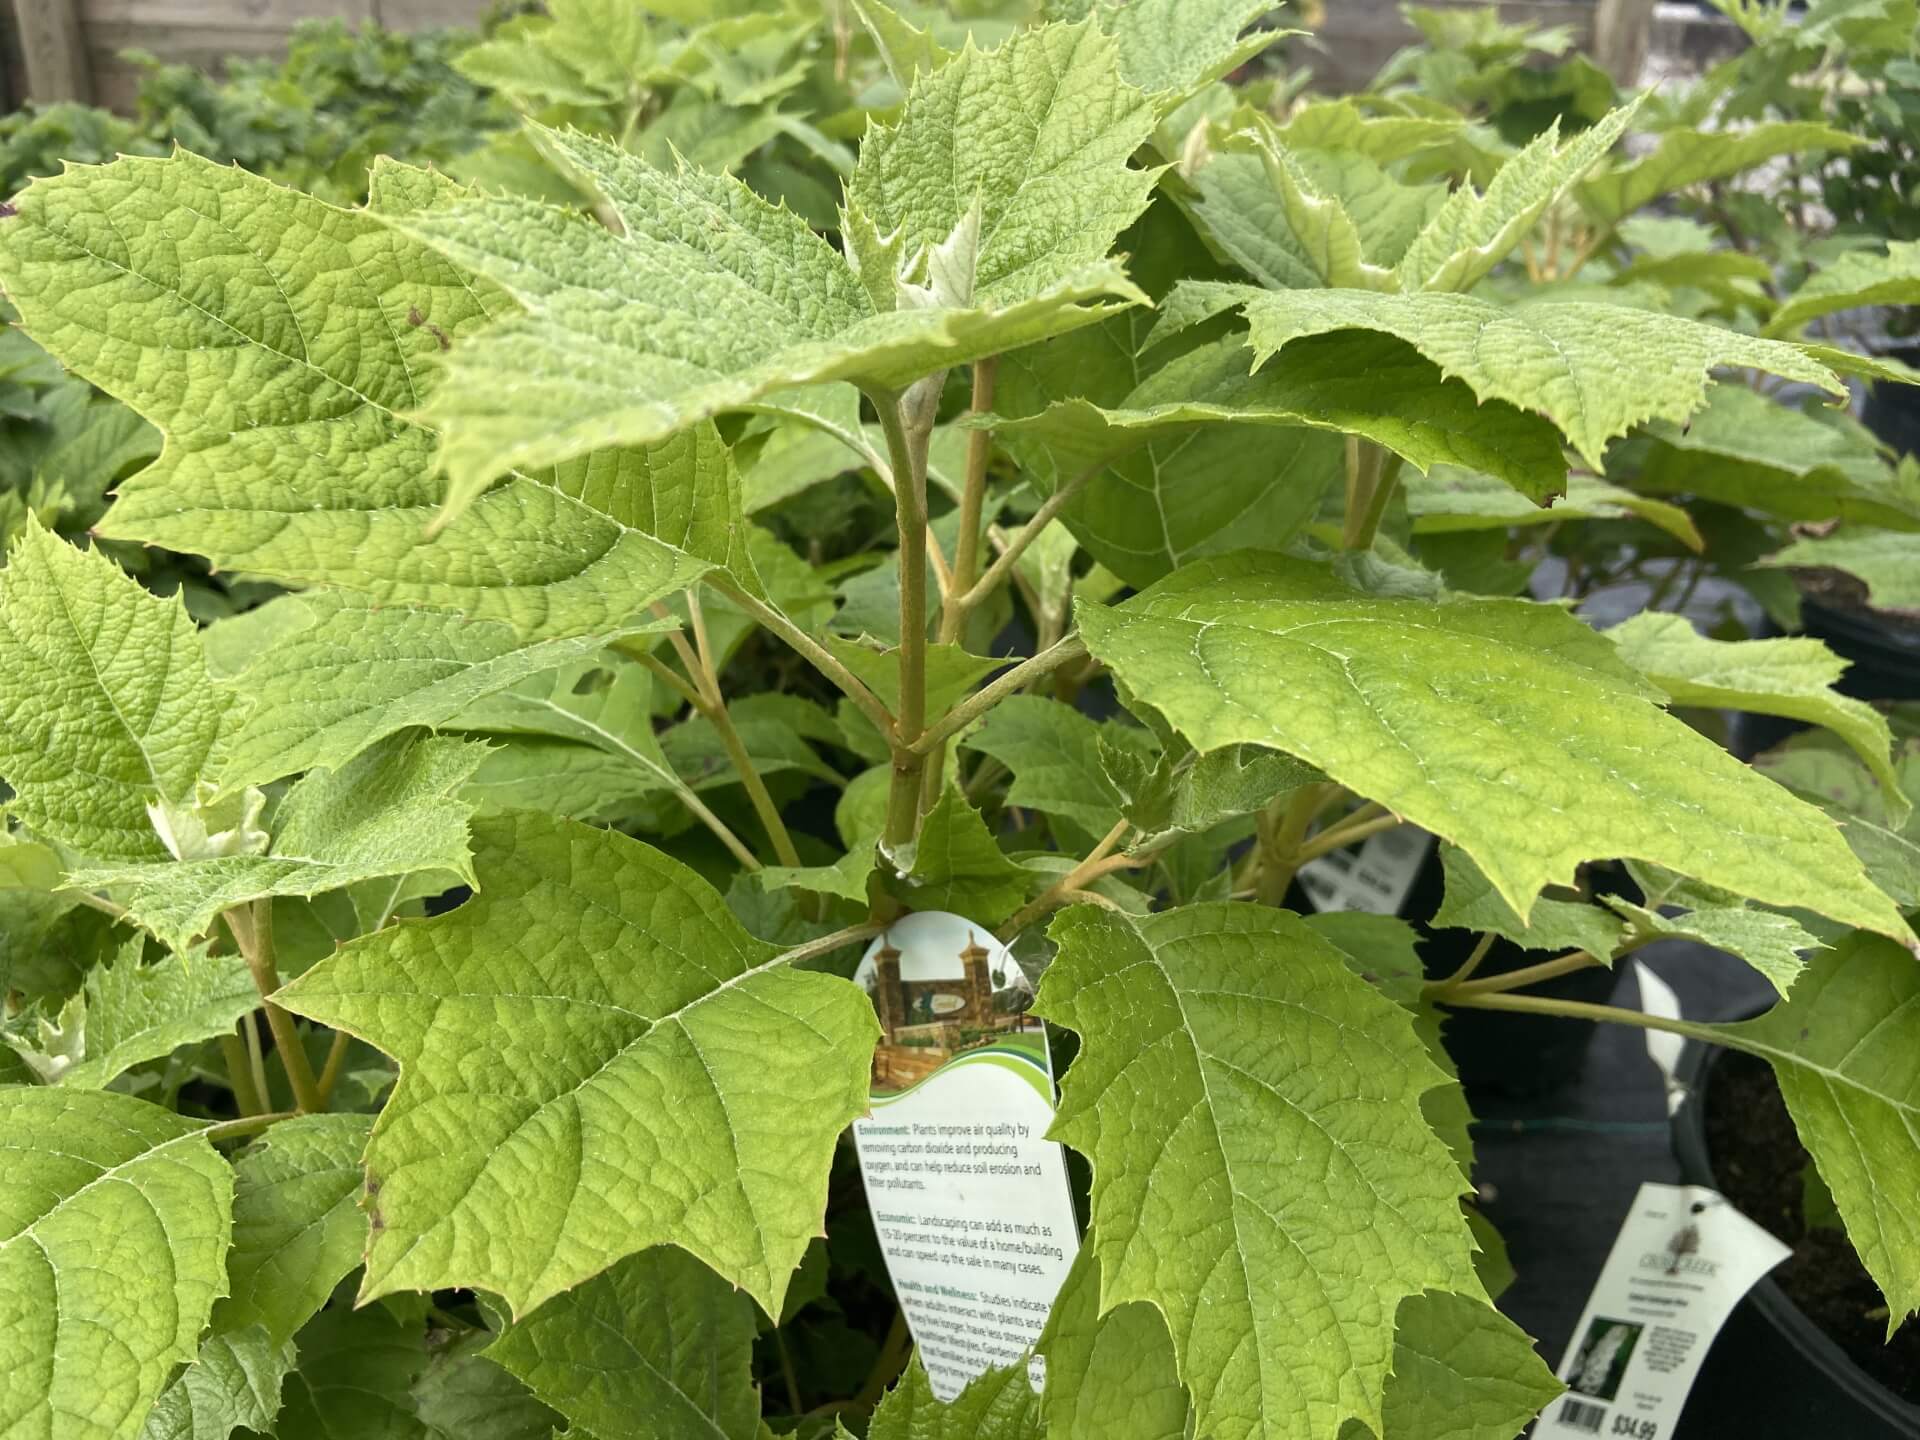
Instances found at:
x=1582 y=1416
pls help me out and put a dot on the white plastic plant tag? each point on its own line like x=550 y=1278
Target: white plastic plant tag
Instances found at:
x=970 y=1204
x=1682 y=1261
x=1374 y=878
x=1665 y=1049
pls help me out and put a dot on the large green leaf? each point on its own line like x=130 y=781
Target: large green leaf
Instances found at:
x=1111 y=1376
x=1859 y=277
x=1688 y=157
x=355 y=1379
x=712 y=299
x=1886 y=561
x=465 y=1394
x=104 y=701
x=133 y=1012
x=656 y=1348
x=113 y=1238
x=386 y=668
x=1793 y=677
x=1462 y=1370
x=1447 y=499
x=1170 y=48
x=392 y=810
x=1595 y=370
x=623 y=1064
x=1471 y=903
x=1262 y=1167
x=282 y=345
x=1846 y=1050
x=1510 y=729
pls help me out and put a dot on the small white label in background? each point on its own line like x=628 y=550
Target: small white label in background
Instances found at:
x=970 y=1204
x=1375 y=878
x=1682 y=1261
x=1663 y=1047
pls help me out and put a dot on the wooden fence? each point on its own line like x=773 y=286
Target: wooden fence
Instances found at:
x=69 y=49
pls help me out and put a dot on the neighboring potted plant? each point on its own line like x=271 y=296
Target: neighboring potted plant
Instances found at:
x=569 y=1149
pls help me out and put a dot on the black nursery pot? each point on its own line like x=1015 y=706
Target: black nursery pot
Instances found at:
x=1772 y=1374
x=1892 y=412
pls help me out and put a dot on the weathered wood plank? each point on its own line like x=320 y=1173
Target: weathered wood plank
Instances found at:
x=1359 y=36
x=53 y=50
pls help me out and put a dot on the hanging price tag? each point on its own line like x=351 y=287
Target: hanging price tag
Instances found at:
x=1375 y=877
x=1682 y=1261
x=970 y=1203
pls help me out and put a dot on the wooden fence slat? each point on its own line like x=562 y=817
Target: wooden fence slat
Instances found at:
x=53 y=50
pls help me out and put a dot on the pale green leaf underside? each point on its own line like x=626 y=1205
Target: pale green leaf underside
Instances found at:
x=282 y=344
x=392 y=810
x=331 y=674
x=104 y=700
x=1359 y=384
x=1505 y=727
x=656 y=1348
x=1771 y=943
x=1886 y=561
x=1595 y=370
x=620 y=1062
x=136 y=1012
x=1110 y=1375
x=113 y=1238
x=297 y=1229
x=1793 y=677
x=233 y=1385
x=1262 y=1167
x=1846 y=1050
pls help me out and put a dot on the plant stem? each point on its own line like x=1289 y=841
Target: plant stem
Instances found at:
x=1471 y=964
x=239 y=1076
x=256 y=1060
x=827 y=944
x=252 y=927
x=1368 y=820
x=1609 y=1014
x=662 y=671
x=245 y=1125
x=887 y=1364
x=1370 y=485
x=1515 y=979
x=1017 y=543
x=908 y=452
x=1060 y=653
x=330 y=1072
x=787 y=1374
x=816 y=654
x=713 y=705
x=1281 y=837
x=98 y=902
x=1100 y=860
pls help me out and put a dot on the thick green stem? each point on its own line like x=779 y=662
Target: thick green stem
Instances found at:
x=1515 y=979
x=1371 y=477
x=252 y=927
x=1281 y=835
x=908 y=451
x=245 y=1125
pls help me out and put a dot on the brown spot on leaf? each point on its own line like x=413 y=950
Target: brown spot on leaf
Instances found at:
x=7 y=212
x=414 y=317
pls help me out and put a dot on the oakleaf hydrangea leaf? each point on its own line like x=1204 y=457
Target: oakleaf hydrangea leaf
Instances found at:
x=1595 y=370
x=297 y=1231
x=1110 y=1375
x=624 y=1065
x=463 y=1392
x=355 y=1378
x=392 y=810
x=1044 y=192
x=1054 y=753
x=113 y=1238
x=1475 y=232
x=1859 y=277
x=386 y=668
x=281 y=343
x=1471 y=903
x=956 y=864
x=1449 y=499
x=1793 y=677
x=1887 y=562
x=134 y=1012
x=999 y=1402
x=1770 y=942
x=233 y=1385
x=1261 y=1166
x=1509 y=729
x=1462 y=1370
x=656 y=1348
x=1845 y=1048
x=104 y=700
x=1688 y=157
x=1171 y=48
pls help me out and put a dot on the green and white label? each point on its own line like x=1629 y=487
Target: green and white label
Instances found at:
x=969 y=1201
